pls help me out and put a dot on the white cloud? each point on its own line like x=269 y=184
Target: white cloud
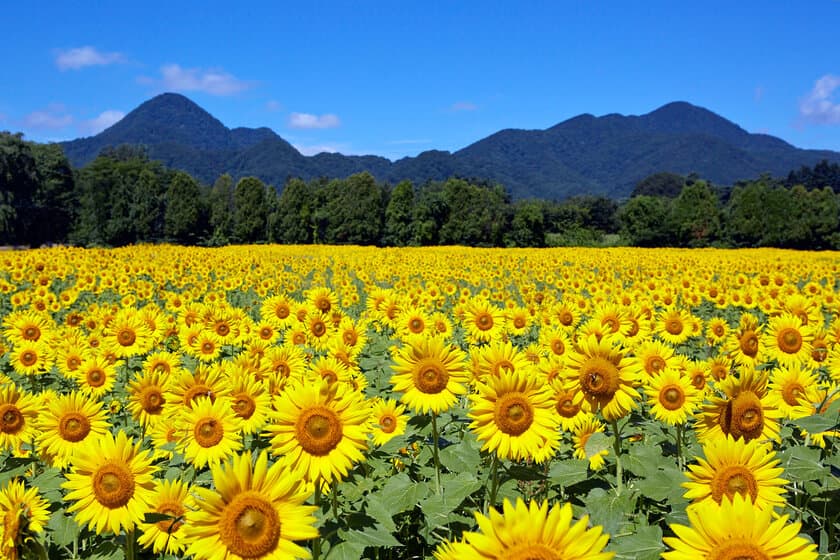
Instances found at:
x=103 y=121
x=463 y=106
x=311 y=150
x=74 y=59
x=817 y=106
x=306 y=120
x=53 y=117
x=214 y=81
x=273 y=106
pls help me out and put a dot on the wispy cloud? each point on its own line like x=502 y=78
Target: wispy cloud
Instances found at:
x=758 y=94
x=54 y=117
x=463 y=106
x=306 y=120
x=74 y=59
x=273 y=106
x=313 y=149
x=214 y=81
x=104 y=120
x=818 y=106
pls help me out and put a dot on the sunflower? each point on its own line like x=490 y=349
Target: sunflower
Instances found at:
x=789 y=340
x=653 y=356
x=22 y=513
x=735 y=466
x=319 y=330
x=555 y=341
x=111 y=485
x=531 y=531
x=31 y=358
x=498 y=357
x=96 y=376
x=483 y=321
x=250 y=401
x=174 y=499
x=278 y=310
x=147 y=396
x=25 y=326
x=413 y=321
x=430 y=373
x=612 y=318
x=165 y=435
x=603 y=378
x=518 y=321
x=284 y=363
x=719 y=367
x=745 y=345
x=210 y=432
x=205 y=381
x=70 y=422
x=737 y=529
x=586 y=425
x=792 y=390
x=716 y=330
x=513 y=414
x=673 y=326
x=567 y=406
x=329 y=369
x=18 y=413
x=672 y=397
x=565 y=314
x=254 y=511
x=389 y=420
x=321 y=298
x=126 y=334
x=69 y=356
x=745 y=411
x=320 y=430
x=207 y=347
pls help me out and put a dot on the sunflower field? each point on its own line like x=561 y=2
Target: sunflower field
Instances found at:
x=281 y=402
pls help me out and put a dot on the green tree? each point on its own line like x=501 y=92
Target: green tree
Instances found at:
x=477 y=214
x=353 y=210
x=147 y=205
x=695 y=215
x=644 y=221
x=221 y=207
x=398 y=215
x=53 y=201
x=527 y=228
x=183 y=209
x=250 y=214
x=291 y=222
x=18 y=182
x=757 y=214
x=431 y=211
x=659 y=184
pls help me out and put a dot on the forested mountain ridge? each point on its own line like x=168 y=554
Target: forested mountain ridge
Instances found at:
x=604 y=155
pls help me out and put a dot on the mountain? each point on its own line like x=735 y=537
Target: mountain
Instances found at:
x=583 y=155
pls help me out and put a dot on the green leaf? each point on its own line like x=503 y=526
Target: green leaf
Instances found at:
x=569 y=472
x=802 y=464
x=404 y=493
x=609 y=510
x=824 y=422
x=437 y=508
x=644 y=543
x=596 y=443
x=63 y=528
x=346 y=551
x=49 y=484
x=463 y=457
x=373 y=537
x=381 y=509
x=661 y=484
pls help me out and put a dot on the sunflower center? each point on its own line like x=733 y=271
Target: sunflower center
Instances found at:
x=207 y=347
x=249 y=526
x=222 y=329
x=513 y=414
x=73 y=363
x=126 y=337
x=566 y=407
x=566 y=318
x=266 y=333
x=323 y=304
x=634 y=328
x=502 y=366
x=519 y=322
x=244 y=405
x=532 y=551
x=671 y=397
x=349 y=338
x=484 y=321
x=282 y=311
x=430 y=377
x=744 y=416
x=174 y=510
x=611 y=323
x=749 y=343
x=95 y=377
x=318 y=328
x=198 y=390
x=718 y=330
x=654 y=364
x=329 y=376
x=11 y=420
x=318 y=430
x=208 y=432
x=558 y=347
x=599 y=377
x=789 y=340
x=792 y=392
x=29 y=358
x=31 y=333
x=674 y=326
x=152 y=400
x=819 y=352
x=698 y=380
x=735 y=479
x=388 y=423
x=113 y=485
x=737 y=550
x=73 y=427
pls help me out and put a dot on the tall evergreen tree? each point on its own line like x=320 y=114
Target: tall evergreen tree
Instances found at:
x=249 y=223
x=183 y=209
x=398 y=215
x=291 y=221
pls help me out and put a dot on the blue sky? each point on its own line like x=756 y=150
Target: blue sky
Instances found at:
x=396 y=78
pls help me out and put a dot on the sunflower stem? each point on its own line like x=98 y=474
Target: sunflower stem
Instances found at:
x=680 y=460
x=130 y=545
x=316 y=542
x=494 y=485
x=435 y=444
x=619 y=473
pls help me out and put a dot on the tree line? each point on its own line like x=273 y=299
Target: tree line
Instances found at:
x=123 y=197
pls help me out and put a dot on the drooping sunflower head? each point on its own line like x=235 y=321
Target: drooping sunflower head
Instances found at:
x=586 y=425
x=23 y=514
x=745 y=411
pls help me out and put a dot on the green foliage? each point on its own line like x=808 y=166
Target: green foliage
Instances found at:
x=249 y=201
x=663 y=183
x=183 y=209
x=695 y=215
x=398 y=212
x=644 y=221
x=221 y=207
x=292 y=218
